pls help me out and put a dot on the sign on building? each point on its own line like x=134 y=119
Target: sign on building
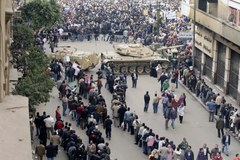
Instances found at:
x=204 y=41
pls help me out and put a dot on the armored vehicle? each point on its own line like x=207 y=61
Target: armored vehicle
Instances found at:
x=86 y=60
x=134 y=57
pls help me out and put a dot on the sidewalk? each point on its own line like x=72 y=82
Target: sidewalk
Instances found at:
x=216 y=90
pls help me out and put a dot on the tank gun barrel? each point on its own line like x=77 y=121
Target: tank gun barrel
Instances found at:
x=170 y=47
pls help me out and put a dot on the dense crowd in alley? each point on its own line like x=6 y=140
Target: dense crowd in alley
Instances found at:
x=86 y=106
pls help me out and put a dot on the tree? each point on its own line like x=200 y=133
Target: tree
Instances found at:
x=23 y=39
x=36 y=84
x=41 y=13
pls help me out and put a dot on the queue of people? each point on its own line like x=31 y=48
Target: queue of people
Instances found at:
x=215 y=103
x=62 y=134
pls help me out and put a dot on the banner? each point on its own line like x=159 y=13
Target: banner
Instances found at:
x=170 y=15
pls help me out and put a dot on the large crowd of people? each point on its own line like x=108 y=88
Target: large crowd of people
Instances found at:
x=124 y=21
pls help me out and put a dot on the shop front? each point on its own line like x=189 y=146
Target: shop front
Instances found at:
x=204 y=45
x=221 y=57
x=234 y=74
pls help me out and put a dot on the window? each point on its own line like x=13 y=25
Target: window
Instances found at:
x=202 y=5
x=233 y=15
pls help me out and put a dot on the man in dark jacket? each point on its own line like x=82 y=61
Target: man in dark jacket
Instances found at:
x=220 y=126
x=188 y=155
x=206 y=151
x=146 y=101
x=226 y=139
x=162 y=79
x=37 y=122
x=50 y=151
x=134 y=76
x=108 y=127
x=121 y=112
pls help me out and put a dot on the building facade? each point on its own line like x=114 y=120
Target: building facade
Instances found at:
x=5 y=28
x=217 y=41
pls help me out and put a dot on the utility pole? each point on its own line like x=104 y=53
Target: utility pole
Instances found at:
x=158 y=16
x=194 y=31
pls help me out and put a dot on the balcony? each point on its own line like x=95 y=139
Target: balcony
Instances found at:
x=219 y=26
x=8 y=10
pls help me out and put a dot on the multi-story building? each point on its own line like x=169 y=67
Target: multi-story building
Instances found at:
x=14 y=115
x=217 y=41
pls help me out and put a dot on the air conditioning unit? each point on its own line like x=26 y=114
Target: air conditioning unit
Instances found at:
x=212 y=1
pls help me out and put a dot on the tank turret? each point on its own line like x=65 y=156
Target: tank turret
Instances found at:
x=86 y=60
x=133 y=50
x=134 y=57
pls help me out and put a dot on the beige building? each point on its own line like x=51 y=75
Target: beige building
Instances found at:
x=5 y=22
x=217 y=42
x=14 y=115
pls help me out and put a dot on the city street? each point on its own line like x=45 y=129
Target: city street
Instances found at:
x=195 y=128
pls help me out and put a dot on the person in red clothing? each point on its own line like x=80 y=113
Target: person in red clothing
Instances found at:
x=237 y=157
x=79 y=111
x=218 y=156
x=59 y=124
x=58 y=114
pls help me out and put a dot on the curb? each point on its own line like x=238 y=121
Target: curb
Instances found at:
x=196 y=98
x=204 y=106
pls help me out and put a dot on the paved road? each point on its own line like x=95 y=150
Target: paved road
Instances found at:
x=195 y=127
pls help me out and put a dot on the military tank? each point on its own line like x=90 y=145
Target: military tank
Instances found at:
x=86 y=60
x=134 y=57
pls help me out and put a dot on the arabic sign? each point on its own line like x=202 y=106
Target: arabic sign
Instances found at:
x=204 y=41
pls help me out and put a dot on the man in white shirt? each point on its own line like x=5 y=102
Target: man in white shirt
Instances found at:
x=140 y=133
x=218 y=102
x=77 y=70
x=60 y=30
x=125 y=36
x=92 y=119
x=49 y=123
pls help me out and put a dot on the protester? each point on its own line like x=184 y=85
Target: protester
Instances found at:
x=108 y=127
x=50 y=151
x=226 y=139
x=40 y=151
x=156 y=100
x=212 y=107
x=220 y=126
x=181 y=111
x=146 y=102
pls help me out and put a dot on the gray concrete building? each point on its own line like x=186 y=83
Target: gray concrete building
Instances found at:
x=217 y=42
